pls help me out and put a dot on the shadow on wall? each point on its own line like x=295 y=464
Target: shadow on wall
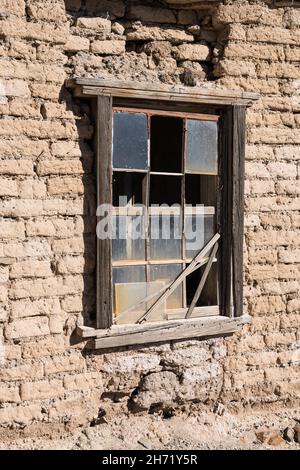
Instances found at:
x=83 y=186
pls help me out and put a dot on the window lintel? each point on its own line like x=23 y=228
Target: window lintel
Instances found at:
x=91 y=87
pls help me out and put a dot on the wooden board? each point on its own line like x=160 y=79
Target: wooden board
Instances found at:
x=104 y=196
x=115 y=88
x=238 y=175
x=119 y=336
x=224 y=212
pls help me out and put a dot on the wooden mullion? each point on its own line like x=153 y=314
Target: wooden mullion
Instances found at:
x=104 y=196
x=238 y=174
x=183 y=203
x=157 y=112
x=146 y=202
x=129 y=170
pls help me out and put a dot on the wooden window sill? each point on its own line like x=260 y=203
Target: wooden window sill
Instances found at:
x=125 y=335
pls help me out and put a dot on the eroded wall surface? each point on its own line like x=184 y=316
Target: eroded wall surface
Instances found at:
x=47 y=207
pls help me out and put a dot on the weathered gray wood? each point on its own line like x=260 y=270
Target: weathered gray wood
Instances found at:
x=119 y=336
x=188 y=270
x=86 y=331
x=224 y=211
x=238 y=175
x=202 y=281
x=116 y=88
x=104 y=196
x=158 y=112
x=166 y=106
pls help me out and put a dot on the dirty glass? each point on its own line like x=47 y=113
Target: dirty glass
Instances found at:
x=128 y=240
x=167 y=273
x=201 y=150
x=130 y=140
x=129 y=287
x=199 y=229
x=165 y=237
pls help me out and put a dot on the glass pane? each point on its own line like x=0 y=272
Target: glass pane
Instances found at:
x=129 y=287
x=165 y=237
x=202 y=147
x=167 y=273
x=130 y=140
x=128 y=239
x=199 y=229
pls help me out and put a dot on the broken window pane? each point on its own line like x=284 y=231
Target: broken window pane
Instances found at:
x=165 y=237
x=165 y=189
x=199 y=229
x=128 y=188
x=200 y=189
x=209 y=294
x=130 y=140
x=128 y=240
x=166 y=144
x=167 y=273
x=202 y=147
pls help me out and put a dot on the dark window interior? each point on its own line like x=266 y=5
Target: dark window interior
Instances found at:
x=165 y=189
x=128 y=185
x=166 y=136
x=209 y=295
x=200 y=189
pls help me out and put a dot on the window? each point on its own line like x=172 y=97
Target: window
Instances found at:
x=164 y=192
x=170 y=211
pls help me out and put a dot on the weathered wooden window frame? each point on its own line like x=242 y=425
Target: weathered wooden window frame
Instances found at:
x=231 y=107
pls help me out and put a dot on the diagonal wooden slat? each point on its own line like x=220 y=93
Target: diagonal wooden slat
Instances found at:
x=202 y=281
x=150 y=297
x=188 y=270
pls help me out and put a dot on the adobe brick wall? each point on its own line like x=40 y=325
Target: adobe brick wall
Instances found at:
x=47 y=205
